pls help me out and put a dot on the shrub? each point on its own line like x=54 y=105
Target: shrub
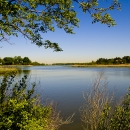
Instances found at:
x=98 y=113
x=95 y=100
x=20 y=109
x=120 y=119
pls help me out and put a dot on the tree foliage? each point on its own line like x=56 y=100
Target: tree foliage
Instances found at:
x=0 y=61
x=17 y=60
x=120 y=119
x=31 y=18
x=102 y=61
x=26 y=61
x=116 y=60
x=8 y=61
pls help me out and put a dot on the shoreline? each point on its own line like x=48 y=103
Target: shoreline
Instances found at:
x=12 y=66
x=123 y=65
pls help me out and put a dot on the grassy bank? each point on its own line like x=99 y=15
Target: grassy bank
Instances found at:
x=5 y=69
x=121 y=65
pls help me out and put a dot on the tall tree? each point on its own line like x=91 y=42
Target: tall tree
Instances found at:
x=0 y=61
x=126 y=59
x=8 y=61
x=26 y=61
x=18 y=60
x=31 y=18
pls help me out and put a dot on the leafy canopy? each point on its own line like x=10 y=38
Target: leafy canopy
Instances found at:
x=31 y=18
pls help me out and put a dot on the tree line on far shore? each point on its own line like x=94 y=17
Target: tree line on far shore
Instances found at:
x=102 y=61
x=18 y=60
x=117 y=60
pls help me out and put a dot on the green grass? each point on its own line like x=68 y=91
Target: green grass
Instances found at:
x=4 y=70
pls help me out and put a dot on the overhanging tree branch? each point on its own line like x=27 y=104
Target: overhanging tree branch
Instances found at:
x=27 y=18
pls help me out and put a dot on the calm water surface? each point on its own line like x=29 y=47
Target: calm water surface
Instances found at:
x=65 y=85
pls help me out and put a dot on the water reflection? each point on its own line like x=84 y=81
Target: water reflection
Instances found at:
x=23 y=72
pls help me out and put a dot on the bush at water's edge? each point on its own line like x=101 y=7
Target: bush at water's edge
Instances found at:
x=21 y=109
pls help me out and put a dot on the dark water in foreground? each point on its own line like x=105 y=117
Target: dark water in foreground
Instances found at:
x=64 y=85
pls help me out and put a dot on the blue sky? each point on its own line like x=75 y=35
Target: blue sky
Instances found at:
x=90 y=41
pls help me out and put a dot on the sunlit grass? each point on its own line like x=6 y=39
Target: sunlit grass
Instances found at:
x=4 y=70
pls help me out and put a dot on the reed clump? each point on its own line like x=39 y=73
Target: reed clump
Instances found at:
x=4 y=70
x=99 y=111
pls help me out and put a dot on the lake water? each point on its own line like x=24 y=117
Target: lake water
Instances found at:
x=65 y=85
